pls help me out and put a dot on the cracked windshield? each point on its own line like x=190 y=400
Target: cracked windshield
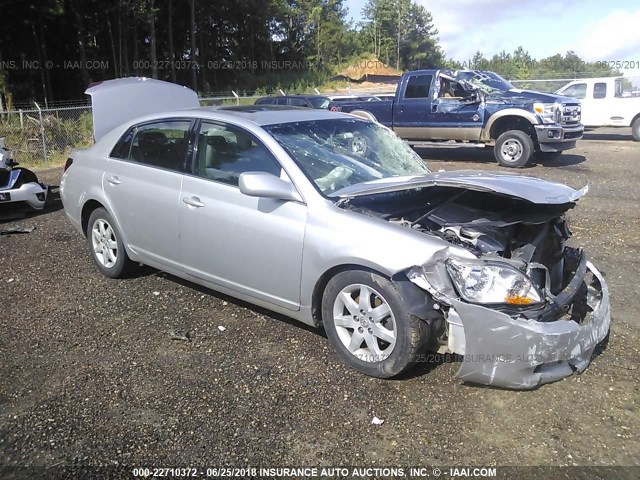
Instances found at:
x=338 y=153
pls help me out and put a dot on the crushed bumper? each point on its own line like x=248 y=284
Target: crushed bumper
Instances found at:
x=520 y=353
x=557 y=138
x=32 y=194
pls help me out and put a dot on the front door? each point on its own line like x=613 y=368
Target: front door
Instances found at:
x=248 y=244
x=412 y=112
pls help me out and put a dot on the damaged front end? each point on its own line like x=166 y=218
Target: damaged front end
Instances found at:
x=528 y=309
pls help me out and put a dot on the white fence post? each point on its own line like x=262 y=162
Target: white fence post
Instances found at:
x=44 y=143
x=237 y=97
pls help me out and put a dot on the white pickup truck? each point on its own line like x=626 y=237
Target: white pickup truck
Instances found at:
x=606 y=102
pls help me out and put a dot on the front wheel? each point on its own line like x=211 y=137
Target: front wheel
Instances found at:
x=107 y=248
x=635 y=129
x=369 y=326
x=514 y=148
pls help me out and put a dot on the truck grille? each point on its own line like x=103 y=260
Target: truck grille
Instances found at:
x=570 y=114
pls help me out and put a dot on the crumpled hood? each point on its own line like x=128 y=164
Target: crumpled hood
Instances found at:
x=531 y=189
x=524 y=97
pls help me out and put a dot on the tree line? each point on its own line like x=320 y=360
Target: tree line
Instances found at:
x=53 y=49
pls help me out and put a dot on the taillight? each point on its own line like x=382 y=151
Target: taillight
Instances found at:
x=67 y=164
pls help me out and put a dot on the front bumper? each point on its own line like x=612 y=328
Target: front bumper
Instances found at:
x=557 y=138
x=520 y=353
x=32 y=194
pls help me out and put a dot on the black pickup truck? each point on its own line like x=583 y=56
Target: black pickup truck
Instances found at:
x=479 y=107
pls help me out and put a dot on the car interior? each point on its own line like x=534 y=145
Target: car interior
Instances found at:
x=154 y=148
x=225 y=157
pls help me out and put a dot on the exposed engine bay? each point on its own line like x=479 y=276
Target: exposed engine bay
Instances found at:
x=530 y=236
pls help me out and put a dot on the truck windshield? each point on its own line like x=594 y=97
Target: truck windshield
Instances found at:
x=337 y=153
x=488 y=82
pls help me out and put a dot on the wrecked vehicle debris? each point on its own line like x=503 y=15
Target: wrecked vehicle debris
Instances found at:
x=335 y=221
x=19 y=187
x=16 y=229
x=526 y=298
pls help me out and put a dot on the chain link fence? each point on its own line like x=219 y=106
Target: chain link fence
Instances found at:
x=46 y=136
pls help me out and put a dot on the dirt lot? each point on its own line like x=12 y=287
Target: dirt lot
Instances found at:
x=89 y=373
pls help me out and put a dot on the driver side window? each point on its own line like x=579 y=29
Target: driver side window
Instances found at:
x=224 y=152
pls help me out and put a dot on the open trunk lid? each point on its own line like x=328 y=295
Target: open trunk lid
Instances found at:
x=117 y=101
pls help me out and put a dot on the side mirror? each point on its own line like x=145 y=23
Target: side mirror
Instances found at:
x=267 y=185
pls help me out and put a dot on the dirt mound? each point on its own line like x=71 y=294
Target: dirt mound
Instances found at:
x=367 y=68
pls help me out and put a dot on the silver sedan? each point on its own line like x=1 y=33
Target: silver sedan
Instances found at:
x=336 y=222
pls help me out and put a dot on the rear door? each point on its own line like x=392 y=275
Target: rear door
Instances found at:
x=247 y=244
x=142 y=183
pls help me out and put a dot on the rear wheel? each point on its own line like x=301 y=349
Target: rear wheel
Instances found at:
x=107 y=248
x=514 y=148
x=369 y=326
x=635 y=129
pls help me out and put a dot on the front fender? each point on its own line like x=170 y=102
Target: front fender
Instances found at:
x=514 y=112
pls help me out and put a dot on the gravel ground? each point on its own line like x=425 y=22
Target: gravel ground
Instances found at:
x=89 y=373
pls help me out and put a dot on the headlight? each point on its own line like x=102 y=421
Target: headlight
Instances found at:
x=487 y=283
x=548 y=112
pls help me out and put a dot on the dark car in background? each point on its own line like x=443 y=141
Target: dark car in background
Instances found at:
x=310 y=101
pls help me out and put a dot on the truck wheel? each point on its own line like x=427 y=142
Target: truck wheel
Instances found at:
x=635 y=129
x=514 y=148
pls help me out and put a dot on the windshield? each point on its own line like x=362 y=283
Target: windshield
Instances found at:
x=337 y=153
x=488 y=82
x=319 y=102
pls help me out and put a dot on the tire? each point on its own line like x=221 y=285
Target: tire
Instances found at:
x=635 y=129
x=390 y=343
x=359 y=144
x=106 y=246
x=514 y=148
x=548 y=156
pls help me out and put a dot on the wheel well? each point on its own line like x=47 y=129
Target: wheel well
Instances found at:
x=512 y=122
x=634 y=119
x=365 y=115
x=321 y=284
x=87 y=210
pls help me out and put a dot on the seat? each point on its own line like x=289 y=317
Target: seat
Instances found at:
x=155 y=149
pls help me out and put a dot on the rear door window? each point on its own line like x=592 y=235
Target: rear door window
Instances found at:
x=162 y=144
x=298 y=102
x=600 y=90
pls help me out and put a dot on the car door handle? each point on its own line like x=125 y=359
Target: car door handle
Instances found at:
x=114 y=180
x=193 y=201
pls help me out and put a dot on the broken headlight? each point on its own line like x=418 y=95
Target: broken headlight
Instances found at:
x=492 y=284
x=548 y=112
